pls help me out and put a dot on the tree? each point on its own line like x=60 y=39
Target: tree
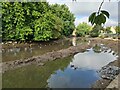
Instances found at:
x=83 y=29
x=36 y=21
x=12 y=18
x=62 y=11
x=47 y=27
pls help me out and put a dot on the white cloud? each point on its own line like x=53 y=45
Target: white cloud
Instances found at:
x=83 y=8
x=80 y=20
x=111 y=22
x=90 y=60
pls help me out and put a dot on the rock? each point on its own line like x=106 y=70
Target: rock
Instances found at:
x=10 y=42
x=109 y=72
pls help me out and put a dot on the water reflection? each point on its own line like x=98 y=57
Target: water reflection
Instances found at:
x=97 y=48
x=71 y=72
x=33 y=76
x=91 y=60
x=81 y=72
x=35 y=50
x=74 y=41
x=70 y=78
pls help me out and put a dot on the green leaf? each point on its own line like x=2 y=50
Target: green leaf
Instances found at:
x=92 y=18
x=103 y=18
x=105 y=13
x=98 y=20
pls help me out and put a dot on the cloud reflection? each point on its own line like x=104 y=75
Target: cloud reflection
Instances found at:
x=91 y=60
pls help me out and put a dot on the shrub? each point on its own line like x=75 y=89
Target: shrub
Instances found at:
x=83 y=29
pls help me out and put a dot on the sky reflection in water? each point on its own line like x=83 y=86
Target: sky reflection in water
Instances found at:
x=81 y=72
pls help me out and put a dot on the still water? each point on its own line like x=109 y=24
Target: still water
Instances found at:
x=78 y=71
x=17 y=53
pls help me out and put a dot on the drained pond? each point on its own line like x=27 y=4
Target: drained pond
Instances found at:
x=16 y=53
x=78 y=71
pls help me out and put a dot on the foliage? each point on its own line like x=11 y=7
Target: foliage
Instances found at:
x=83 y=29
x=62 y=11
x=95 y=31
x=98 y=18
x=97 y=48
x=107 y=30
x=36 y=21
x=25 y=33
x=117 y=29
x=47 y=27
x=12 y=18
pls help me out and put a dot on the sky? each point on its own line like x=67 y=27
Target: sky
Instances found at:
x=83 y=8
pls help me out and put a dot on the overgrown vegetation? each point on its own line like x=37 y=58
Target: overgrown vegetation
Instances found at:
x=117 y=29
x=95 y=31
x=37 y=21
x=83 y=29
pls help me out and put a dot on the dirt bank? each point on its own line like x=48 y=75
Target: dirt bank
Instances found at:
x=11 y=44
x=115 y=83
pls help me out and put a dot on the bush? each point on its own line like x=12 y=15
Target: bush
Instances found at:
x=83 y=29
x=36 y=21
x=94 y=34
x=46 y=28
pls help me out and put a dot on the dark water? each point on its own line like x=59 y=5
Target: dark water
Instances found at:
x=78 y=71
x=37 y=49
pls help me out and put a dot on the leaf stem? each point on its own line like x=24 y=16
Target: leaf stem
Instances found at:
x=100 y=7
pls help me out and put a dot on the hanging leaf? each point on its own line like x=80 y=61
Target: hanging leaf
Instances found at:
x=100 y=19
x=97 y=20
x=103 y=18
x=92 y=18
x=105 y=13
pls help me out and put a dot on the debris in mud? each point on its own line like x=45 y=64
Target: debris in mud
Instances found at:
x=40 y=64
x=109 y=72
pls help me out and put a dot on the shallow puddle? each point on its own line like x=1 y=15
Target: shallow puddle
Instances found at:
x=81 y=72
x=78 y=71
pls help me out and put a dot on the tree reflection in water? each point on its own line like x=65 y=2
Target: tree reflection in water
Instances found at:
x=74 y=41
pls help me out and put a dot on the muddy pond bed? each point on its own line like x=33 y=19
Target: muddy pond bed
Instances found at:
x=76 y=71
x=15 y=51
x=11 y=51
